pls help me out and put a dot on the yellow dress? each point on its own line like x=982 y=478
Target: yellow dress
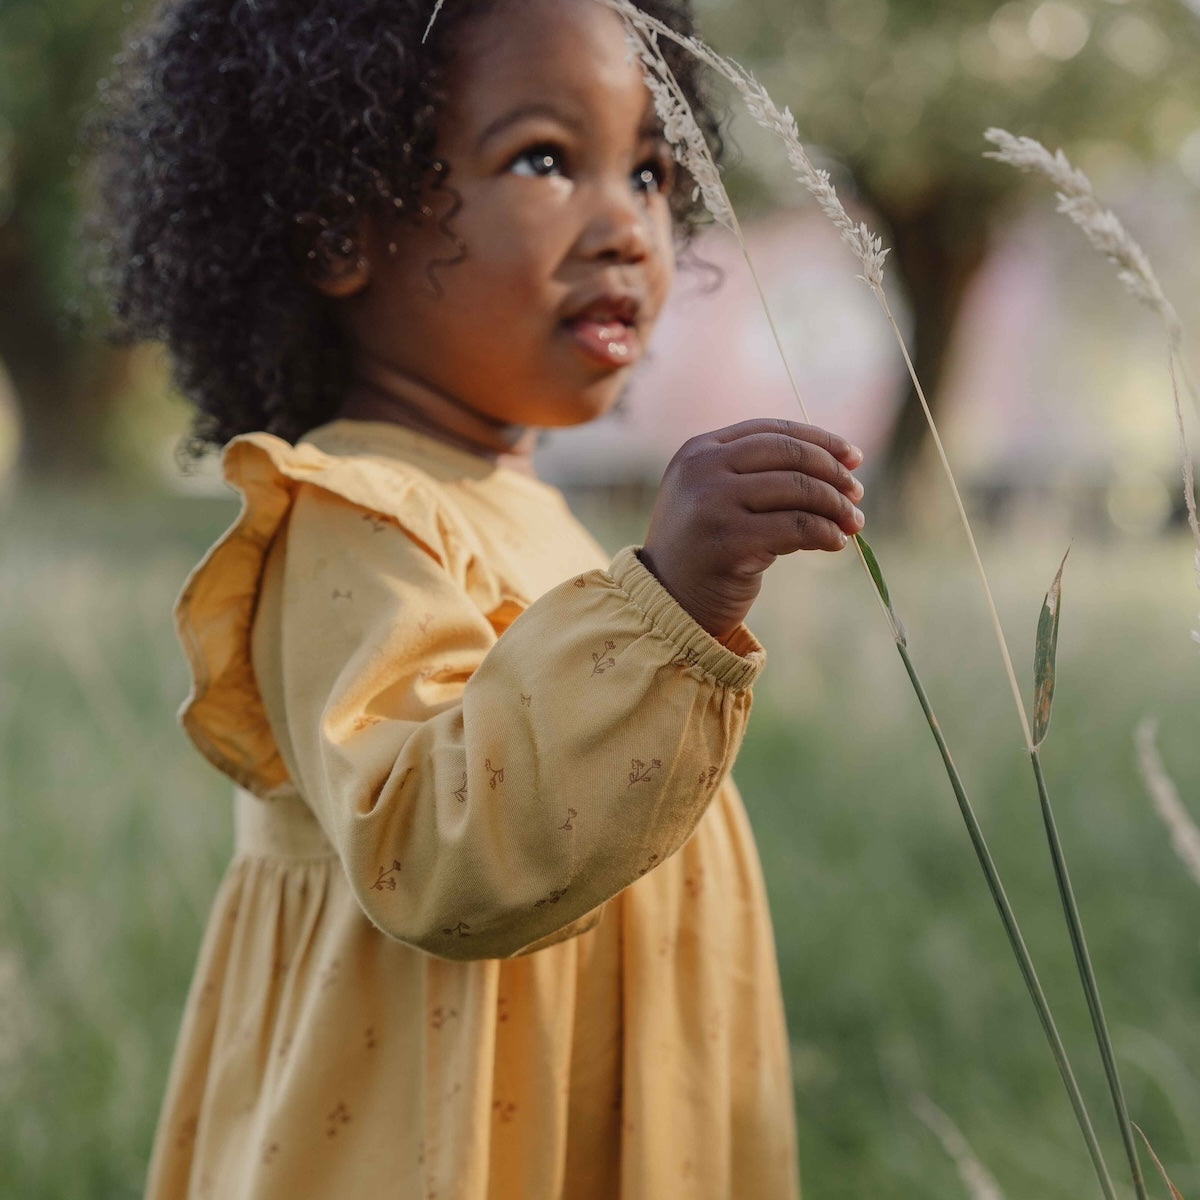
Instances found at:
x=495 y=927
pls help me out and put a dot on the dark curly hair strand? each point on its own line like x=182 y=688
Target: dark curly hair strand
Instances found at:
x=235 y=147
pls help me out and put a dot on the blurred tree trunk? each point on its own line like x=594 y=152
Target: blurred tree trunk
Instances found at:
x=938 y=246
x=65 y=385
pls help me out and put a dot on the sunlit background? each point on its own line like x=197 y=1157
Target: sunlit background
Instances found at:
x=916 y=1054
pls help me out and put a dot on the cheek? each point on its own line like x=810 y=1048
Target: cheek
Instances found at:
x=514 y=246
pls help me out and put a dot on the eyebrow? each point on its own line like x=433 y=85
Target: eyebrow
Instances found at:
x=651 y=125
x=524 y=112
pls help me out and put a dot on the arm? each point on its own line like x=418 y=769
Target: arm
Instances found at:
x=481 y=793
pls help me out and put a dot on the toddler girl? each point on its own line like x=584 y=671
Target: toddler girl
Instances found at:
x=495 y=926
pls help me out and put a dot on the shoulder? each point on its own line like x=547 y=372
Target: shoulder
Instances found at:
x=316 y=483
x=321 y=499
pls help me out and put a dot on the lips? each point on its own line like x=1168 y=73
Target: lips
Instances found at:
x=605 y=330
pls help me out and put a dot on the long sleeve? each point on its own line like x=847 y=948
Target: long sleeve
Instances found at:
x=484 y=790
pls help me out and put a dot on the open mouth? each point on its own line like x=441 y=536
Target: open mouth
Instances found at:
x=613 y=343
x=606 y=331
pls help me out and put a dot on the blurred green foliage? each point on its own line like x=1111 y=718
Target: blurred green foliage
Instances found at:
x=51 y=56
x=900 y=91
x=66 y=381
x=897 y=977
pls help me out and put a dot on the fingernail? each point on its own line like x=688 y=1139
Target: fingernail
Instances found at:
x=856 y=452
x=862 y=520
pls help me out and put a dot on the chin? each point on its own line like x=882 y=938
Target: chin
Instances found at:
x=578 y=408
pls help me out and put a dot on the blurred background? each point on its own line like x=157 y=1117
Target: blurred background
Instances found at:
x=1052 y=391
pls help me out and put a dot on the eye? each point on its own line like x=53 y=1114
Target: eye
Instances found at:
x=656 y=174
x=539 y=161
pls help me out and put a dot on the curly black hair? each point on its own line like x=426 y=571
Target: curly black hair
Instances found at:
x=235 y=146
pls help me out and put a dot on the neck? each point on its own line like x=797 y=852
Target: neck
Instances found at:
x=379 y=392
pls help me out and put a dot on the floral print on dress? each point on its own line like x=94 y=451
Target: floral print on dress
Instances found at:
x=337 y=1119
x=441 y=1015
x=639 y=772
x=385 y=881
x=496 y=773
x=602 y=659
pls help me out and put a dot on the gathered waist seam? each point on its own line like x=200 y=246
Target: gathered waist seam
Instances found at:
x=282 y=828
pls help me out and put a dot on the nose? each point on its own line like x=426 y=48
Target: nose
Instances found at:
x=617 y=229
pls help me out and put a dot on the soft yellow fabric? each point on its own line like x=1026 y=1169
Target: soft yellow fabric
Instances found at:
x=495 y=928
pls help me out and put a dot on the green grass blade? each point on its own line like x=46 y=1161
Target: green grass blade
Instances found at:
x=1175 y=1192
x=1087 y=977
x=1044 y=659
x=1044 y=655
x=881 y=586
x=1012 y=929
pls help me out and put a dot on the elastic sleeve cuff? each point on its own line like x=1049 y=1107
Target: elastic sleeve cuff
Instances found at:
x=734 y=663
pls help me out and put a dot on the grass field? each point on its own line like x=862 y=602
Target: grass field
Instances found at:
x=113 y=834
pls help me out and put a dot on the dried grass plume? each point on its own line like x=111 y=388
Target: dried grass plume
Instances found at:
x=866 y=246
x=1101 y=226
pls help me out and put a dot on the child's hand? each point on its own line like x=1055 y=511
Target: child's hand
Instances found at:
x=732 y=501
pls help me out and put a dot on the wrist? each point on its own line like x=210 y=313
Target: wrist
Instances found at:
x=719 y=625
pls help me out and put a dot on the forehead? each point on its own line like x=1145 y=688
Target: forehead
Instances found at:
x=567 y=52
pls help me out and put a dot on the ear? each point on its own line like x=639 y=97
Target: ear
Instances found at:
x=335 y=267
x=340 y=277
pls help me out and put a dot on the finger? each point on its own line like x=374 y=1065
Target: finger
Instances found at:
x=787 y=532
x=768 y=452
x=792 y=491
x=831 y=443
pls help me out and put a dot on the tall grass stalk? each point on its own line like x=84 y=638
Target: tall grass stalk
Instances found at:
x=1083 y=962
x=683 y=132
x=1012 y=929
x=782 y=124
x=1102 y=228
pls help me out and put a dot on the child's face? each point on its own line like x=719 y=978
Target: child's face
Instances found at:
x=554 y=150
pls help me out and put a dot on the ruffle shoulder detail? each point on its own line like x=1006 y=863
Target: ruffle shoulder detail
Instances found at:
x=223 y=713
